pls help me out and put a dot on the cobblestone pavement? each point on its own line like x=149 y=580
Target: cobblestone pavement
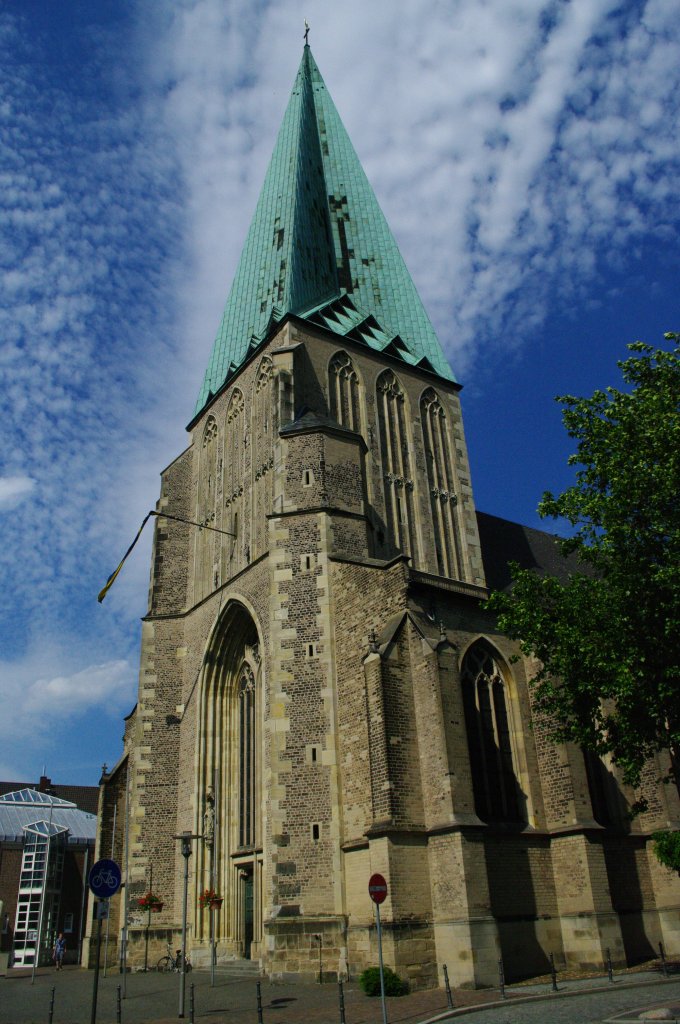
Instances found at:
x=154 y=999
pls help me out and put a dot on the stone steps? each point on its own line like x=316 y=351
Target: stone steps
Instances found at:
x=200 y=960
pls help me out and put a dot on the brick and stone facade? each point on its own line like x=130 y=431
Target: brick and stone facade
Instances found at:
x=322 y=694
x=360 y=745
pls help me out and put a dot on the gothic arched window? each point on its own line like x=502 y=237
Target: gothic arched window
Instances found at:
x=343 y=392
x=229 y=778
x=440 y=483
x=246 y=755
x=396 y=464
x=495 y=784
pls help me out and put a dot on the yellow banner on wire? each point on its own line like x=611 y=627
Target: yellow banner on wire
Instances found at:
x=109 y=583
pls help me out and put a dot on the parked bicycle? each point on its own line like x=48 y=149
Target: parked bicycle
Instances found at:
x=169 y=963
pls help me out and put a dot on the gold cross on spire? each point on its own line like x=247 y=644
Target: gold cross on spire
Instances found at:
x=306 y=32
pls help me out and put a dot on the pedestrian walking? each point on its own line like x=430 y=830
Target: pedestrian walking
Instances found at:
x=59 y=950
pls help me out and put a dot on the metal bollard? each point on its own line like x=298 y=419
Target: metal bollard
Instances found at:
x=553 y=973
x=501 y=977
x=664 y=966
x=260 y=1018
x=118 y=1006
x=191 y=1003
x=449 y=997
x=51 y=1013
x=610 y=971
x=341 y=1000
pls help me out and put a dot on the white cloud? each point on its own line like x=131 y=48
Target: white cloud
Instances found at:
x=100 y=688
x=47 y=697
x=13 y=490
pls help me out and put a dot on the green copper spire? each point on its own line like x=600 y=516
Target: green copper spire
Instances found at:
x=319 y=247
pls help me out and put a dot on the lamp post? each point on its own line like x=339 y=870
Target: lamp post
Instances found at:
x=186 y=839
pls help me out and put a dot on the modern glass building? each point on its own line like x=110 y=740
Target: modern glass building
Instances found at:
x=46 y=846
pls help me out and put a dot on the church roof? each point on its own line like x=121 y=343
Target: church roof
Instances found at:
x=503 y=542
x=319 y=247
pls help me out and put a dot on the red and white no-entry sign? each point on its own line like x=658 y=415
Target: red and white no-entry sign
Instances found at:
x=377 y=888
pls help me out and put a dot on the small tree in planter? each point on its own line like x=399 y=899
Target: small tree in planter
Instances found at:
x=149 y=901
x=210 y=898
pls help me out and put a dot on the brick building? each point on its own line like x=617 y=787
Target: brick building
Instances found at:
x=322 y=694
x=47 y=838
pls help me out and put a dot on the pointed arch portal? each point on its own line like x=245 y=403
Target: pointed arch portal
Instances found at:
x=229 y=784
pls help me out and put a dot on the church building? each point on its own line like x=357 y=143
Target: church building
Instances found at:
x=322 y=694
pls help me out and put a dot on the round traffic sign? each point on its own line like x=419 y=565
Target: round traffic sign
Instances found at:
x=377 y=888
x=104 y=878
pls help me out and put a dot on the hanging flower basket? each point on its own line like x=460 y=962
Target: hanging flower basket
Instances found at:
x=210 y=898
x=149 y=901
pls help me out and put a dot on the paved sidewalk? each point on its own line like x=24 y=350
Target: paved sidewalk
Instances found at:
x=154 y=999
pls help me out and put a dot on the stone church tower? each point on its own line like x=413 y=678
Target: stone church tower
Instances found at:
x=321 y=694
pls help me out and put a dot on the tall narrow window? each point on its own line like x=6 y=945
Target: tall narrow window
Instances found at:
x=440 y=484
x=495 y=785
x=246 y=712
x=233 y=547
x=343 y=392
x=396 y=464
x=205 y=515
x=264 y=426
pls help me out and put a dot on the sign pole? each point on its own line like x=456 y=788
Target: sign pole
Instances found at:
x=380 y=961
x=102 y=909
x=104 y=882
x=377 y=890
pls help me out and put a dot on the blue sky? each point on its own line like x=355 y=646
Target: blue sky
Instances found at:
x=525 y=155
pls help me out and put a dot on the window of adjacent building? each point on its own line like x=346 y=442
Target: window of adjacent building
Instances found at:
x=343 y=391
x=68 y=923
x=39 y=884
x=494 y=780
x=440 y=483
x=396 y=463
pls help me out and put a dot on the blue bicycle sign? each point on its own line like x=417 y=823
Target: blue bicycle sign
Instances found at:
x=104 y=879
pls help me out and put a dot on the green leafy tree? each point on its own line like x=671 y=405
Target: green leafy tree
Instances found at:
x=608 y=639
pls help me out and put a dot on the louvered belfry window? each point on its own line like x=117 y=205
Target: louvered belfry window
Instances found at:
x=396 y=463
x=343 y=390
x=440 y=484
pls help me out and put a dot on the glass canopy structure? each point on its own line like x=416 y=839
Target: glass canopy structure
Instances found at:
x=45 y=826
